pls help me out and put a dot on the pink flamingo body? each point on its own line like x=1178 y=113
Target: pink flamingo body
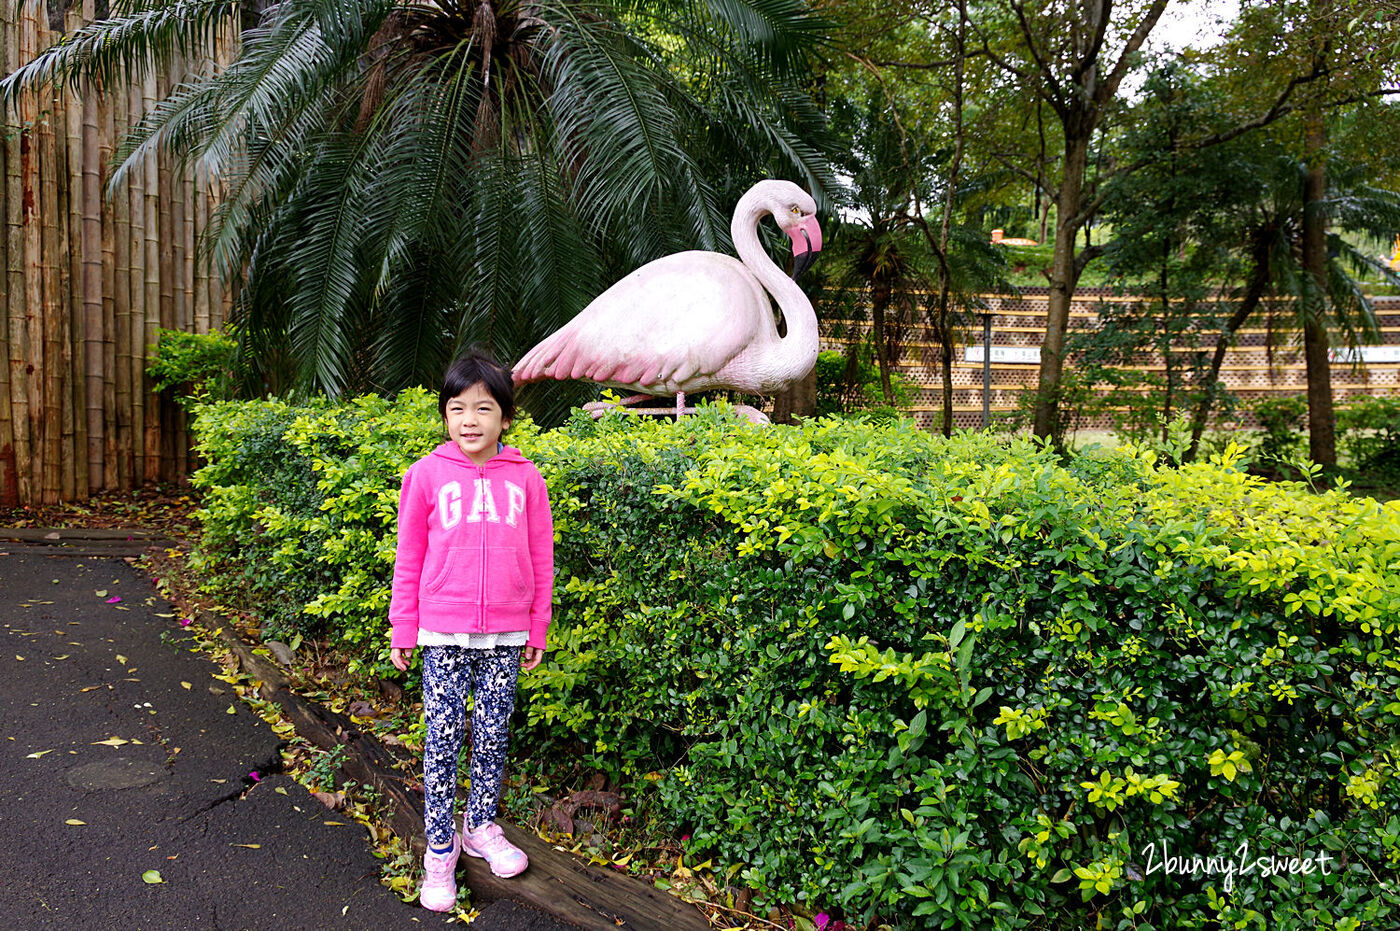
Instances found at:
x=697 y=321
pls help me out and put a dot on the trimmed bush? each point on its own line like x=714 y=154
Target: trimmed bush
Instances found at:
x=948 y=683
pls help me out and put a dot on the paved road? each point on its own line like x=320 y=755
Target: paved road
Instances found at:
x=109 y=719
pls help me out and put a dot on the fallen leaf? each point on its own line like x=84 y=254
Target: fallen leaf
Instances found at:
x=337 y=824
x=231 y=710
x=152 y=877
x=75 y=822
x=280 y=790
x=90 y=688
x=332 y=800
x=35 y=756
x=249 y=846
x=18 y=657
x=121 y=659
x=186 y=685
x=102 y=593
x=110 y=742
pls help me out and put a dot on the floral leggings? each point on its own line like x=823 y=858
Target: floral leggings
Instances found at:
x=450 y=673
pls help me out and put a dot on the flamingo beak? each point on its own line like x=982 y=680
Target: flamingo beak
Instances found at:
x=804 y=249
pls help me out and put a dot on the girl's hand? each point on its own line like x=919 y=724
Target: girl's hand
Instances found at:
x=530 y=657
x=400 y=658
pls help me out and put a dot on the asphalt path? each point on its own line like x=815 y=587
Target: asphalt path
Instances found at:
x=121 y=753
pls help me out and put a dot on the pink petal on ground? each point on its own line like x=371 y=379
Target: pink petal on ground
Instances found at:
x=114 y=599
x=254 y=776
x=185 y=622
x=821 y=920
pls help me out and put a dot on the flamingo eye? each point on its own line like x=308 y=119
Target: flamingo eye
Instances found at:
x=795 y=210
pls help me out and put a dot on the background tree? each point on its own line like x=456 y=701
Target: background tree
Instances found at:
x=1232 y=216
x=1073 y=57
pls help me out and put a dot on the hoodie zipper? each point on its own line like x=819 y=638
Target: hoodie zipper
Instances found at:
x=481 y=584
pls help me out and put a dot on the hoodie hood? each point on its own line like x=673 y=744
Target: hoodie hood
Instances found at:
x=508 y=455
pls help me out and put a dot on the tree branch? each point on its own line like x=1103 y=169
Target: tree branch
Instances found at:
x=1056 y=96
x=1109 y=88
x=1091 y=55
x=1085 y=256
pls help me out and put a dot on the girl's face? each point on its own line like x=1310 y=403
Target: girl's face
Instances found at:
x=474 y=423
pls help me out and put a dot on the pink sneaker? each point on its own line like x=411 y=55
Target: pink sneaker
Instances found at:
x=490 y=844
x=439 y=890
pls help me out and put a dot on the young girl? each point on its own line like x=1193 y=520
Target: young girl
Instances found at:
x=473 y=581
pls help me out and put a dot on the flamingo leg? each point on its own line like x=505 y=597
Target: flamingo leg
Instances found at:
x=680 y=404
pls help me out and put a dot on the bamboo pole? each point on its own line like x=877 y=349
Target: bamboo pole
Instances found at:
x=183 y=217
x=51 y=307
x=168 y=288
x=136 y=319
x=73 y=399
x=28 y=342
x=150 y=311
x=9 y=490
x=202 y=290
x=90 y=241
x=106 y=111
x=23 y=258
x=122 y=239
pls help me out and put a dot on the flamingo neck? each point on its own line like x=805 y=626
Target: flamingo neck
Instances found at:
x=793 y=355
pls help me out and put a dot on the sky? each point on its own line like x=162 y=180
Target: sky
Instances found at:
x=1195 y=23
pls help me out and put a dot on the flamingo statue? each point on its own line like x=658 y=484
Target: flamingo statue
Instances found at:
x=698 y=321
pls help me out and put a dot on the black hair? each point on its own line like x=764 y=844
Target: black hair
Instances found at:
x=473 y=368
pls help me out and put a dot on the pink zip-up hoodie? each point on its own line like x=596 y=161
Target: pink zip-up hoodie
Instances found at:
x=476 y=548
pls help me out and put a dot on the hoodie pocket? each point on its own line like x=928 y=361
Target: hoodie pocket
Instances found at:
x=459 y=579
x=506 y=579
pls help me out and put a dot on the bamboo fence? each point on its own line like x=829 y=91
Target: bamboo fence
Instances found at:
x=90 y=275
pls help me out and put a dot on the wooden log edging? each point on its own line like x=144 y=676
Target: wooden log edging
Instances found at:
x=81 y=541
x=556 y=882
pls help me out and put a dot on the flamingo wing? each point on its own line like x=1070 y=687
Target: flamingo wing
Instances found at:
x=669 y=326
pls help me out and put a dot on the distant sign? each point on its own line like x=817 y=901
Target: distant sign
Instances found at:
x=1027 y=355
x=1363 y=354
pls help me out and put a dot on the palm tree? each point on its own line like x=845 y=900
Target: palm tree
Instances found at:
x=890 y=246
x=405 y=176
x=1260 y=215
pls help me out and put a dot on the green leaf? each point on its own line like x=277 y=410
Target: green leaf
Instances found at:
x=965 y=654
x=151 y=877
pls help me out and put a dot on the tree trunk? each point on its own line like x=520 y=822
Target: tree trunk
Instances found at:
x=1064 y=275
x=945 y=364
x=798 y=401
x=1258 y=282
x=1322 y=419
x=879 y=300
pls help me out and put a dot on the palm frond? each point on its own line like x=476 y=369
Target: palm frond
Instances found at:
x=133 y=44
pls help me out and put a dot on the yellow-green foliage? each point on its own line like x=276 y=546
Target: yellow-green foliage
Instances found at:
x=953 y=683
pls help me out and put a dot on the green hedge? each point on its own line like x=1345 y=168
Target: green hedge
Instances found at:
x=948 y=683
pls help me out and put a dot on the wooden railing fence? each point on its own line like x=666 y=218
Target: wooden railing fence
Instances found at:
x=1259 y=364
